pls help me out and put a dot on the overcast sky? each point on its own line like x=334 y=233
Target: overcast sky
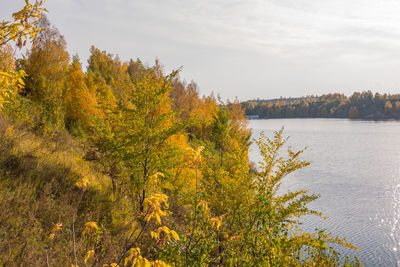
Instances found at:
x=244 y=48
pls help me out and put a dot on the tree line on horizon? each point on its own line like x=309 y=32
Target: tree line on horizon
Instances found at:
x=122 y=164
x=360 y=105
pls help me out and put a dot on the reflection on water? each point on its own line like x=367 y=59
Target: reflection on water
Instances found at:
x=355 y=167
x=392 y=220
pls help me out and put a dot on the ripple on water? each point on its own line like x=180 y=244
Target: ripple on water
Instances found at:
x=356 y=169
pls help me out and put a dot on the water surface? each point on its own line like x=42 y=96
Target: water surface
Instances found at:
x=355 y=167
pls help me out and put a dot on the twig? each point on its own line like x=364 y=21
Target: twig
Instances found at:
x=47 y=259
x=73 y=235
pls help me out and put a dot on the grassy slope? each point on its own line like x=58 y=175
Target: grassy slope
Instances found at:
x=38 y=189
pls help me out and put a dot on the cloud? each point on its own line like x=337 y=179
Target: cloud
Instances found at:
x=272 y=46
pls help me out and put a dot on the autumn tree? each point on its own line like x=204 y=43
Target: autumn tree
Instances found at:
x=153 y=121
x=112 y=70
x=220 y=130
x=397 y=106
x=239 y=124
x=353 y=113
x=24 y=25
x=80 y=103
x=388 y=107
x=98 y=87
x=47 y=65
x=139 y=131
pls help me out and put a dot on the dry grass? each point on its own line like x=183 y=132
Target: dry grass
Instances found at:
x=41 y=184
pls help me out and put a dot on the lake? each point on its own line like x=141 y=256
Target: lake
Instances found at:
x=355 y=167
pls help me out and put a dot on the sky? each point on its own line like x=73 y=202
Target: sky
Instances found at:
x=244 y=48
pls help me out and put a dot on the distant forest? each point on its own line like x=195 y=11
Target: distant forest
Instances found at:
x=360 y=105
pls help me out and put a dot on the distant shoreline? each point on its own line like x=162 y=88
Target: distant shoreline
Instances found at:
x=330 y=118
x=360 y=105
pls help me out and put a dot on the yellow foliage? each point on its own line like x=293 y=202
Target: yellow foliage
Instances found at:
x=7 y=59
x=23 y=26
x=56 y=228
x=217 y=221
x=194 y=156
x=9 y=131
x=179 y=140
x=154 y=207
x=204 y=205
x=10 y=83
x=159 y=263
x=133 y=253
x=82 y=183
x=79 y=101
x=141 y=262
x=90 y=228
x=136 y=260
x=154 y=182
x=168 y=233
x=89 y=255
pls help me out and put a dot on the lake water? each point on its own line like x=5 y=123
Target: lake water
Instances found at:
x=355 y=167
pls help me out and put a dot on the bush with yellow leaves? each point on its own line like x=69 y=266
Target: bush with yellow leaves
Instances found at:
x=23 y=26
